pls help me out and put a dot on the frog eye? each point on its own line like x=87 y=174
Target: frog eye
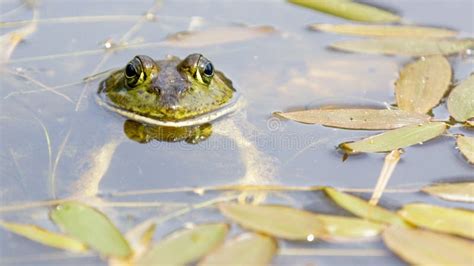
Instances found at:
x=205 y=70
x=134 y=72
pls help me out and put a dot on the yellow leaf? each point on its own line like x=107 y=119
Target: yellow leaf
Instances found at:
x=420 y=247
x=445 y=220
x=385 y=30
x=456 y=192
x=371 y=119
x=396 y=138
x=461 y=100
x=422 y=84
x=342 y=229
x=274 y=220
x=405 y=46
x=466 y=146
x=185 y=246
x=247 y=249
x=362 y=208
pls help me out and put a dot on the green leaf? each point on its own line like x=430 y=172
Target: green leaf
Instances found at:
x=445 y=220
x=456 y=192
x=420 y=247
x=247 y=249
x=278 y=221
x=384 y=30
x=466 y=146
x=357 y=118
x=349 y=10
x=340 y=228
x=186 y=246
x=45 y=237
x=405 y=46
x=396 y=138
x=362 y=208
x=422 y=84
x=461 y=100
x=91 y=227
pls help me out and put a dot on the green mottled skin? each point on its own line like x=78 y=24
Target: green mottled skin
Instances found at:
x=167 y=90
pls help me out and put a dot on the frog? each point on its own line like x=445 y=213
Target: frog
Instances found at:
x=168 y=100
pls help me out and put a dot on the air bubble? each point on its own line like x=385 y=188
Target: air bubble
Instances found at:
x=310 y=238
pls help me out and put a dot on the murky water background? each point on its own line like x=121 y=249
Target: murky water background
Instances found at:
x=283 y=71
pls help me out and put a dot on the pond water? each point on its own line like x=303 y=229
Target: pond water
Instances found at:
x=59 y=143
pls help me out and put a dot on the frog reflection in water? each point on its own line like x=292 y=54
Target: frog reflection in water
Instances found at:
x=168 y=100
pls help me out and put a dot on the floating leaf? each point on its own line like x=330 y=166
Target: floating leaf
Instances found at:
x=422 y=84
x=357 y=118
x=444 y=220
x=420 y=247
x=396 y=138
x=247 y=249
x=349 y=10
x=456 y=192
x=362 y=208
x=216 y=36
x=385 y=30
x=278 y=221
x=461 y=100
x=340 y=228
x=92 y=227
x=466 y=146
x=406 y=46
x=45 y=237
x=185 y=246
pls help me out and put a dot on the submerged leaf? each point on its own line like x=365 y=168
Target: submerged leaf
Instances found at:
x=396 y=138
x=371 y=119
x=406 y=46
x=422 y=84
x=445 y=220
x=349 y=10
x=216 y=36
x=461 y=100
x=420 y=247
x=466 y=146
x=45 y=237
x=278 y=221
x=362 y=208
x=340 y=228
x=456 y=192
x=186 y=246
x=385 y=30
x=92 y=227
x=247 y=249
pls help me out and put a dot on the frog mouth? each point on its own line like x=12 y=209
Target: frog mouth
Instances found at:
x=200 y=119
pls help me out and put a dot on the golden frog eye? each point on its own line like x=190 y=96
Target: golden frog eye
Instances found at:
x=134 y=72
